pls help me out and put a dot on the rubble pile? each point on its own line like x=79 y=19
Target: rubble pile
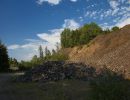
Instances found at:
x=58 y=70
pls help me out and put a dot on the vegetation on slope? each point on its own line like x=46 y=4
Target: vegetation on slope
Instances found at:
x=83 y=35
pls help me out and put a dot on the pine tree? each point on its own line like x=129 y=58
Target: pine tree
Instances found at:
x=41 y=52
x=47 y=53
x=53 y=52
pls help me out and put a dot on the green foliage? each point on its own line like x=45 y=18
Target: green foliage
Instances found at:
x=110 y=86
x=54 y=55
x=4 y=61
x=70 y=38
x=25 y=65
x=14 y=64
x=58 y=57
x=41 y=52
x=115 y=28
x=47 y=53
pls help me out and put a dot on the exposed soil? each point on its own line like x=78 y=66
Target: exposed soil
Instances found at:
x=111 y=50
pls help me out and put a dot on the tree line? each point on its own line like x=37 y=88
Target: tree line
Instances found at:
x=69 y=38
x=44 y=55
x=83 y=35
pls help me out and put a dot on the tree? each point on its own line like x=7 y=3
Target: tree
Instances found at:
x=13 y=62
x=65 y=38
x=47 y=53
x=4 y=61
x=93 y=29
x=53 y=52
x=41 y=52
x=35 y=61
x=115 y=28
x=83 y=35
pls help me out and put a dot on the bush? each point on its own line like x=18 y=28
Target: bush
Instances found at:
x=58 y=57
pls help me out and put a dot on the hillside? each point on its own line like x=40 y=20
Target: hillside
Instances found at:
x=111 y=50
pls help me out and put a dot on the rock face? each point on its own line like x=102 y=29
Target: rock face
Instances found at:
x=58 y=70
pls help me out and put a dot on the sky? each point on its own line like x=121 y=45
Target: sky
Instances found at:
x=26 y=24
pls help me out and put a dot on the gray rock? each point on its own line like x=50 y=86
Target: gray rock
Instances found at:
x=58 y=70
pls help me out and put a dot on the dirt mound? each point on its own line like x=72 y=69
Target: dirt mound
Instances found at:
x=111 y=50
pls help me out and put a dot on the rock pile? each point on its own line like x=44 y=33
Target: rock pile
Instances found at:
x=58 y=70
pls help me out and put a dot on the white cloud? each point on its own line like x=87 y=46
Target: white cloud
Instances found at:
x=106 y=26
x=73 y=0
x=29 y=49
x=110 y=12
x=121 y=11
x=113 y=3
x=14 y=46
x=71 y=24
x=53 y=37
x=123 y=22
x=53 y=2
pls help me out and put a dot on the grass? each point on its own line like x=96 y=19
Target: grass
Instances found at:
x=110 y=86
x=67 y=90
x=62 y=90
x=107 y=87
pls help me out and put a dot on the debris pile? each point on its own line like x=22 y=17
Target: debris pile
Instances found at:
x=58 y=70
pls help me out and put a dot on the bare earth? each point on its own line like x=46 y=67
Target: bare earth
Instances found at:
x=111 y=50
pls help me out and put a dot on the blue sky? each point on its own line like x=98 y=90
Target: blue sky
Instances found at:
x=26 y=24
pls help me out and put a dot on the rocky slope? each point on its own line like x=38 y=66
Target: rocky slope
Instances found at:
x=111 y=50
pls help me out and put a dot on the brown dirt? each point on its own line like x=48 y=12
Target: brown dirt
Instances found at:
x=111 y=50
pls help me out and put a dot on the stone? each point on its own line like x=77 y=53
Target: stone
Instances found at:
x=58 y=70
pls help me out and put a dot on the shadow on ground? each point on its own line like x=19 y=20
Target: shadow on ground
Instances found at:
x=105 y=86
